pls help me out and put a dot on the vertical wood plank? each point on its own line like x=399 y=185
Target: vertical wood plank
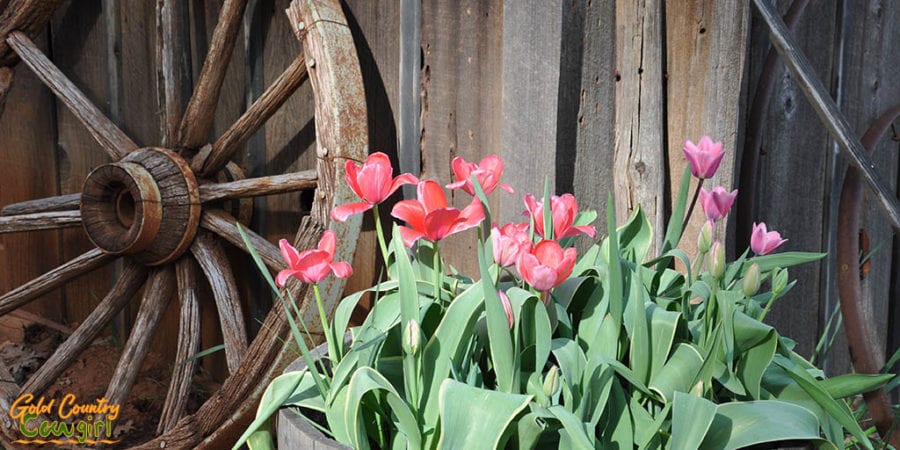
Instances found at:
x=461 y=113
x=706 y=44
x=531 y=56
x=871 y=86
x=793 y=164
x=78 y=30
x=640 y=166
x=593 y=171
x=27 y=130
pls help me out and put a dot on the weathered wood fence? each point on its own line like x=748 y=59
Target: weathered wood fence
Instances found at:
x=596 y=95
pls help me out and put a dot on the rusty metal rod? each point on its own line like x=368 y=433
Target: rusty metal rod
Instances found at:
x=827 y=110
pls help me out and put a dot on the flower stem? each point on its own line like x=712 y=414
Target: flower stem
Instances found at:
x=768 y=307
x=380 y=233
x=438 y=279
x=687 y=218
x=332 y=350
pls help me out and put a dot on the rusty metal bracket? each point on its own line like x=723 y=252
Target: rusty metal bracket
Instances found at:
x=827 y=110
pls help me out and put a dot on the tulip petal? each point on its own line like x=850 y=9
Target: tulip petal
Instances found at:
x=327 y=243
x=400 y=180
x=341 y=213
x=374 y=181
x=351 y=171
x=507 y=188
x=440 y=223
x=282 y=277
x=409 y=236
x=431 y=195
x=411 y=212
x=290 y=254
x=456 y=185
x=342 y=269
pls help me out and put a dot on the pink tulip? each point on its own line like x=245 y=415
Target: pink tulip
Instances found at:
x=763 y=241
x=487 y=172
x=430 y=218
x=510 y=241
x=704 y=158
x=507 y=308
x=563 y=209
x=312 y=266
x=372 y=183
x=546 y=265
x=717 y=203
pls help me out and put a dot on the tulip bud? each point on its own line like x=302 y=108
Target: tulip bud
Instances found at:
x=716 y=260
x=551 y=382
x=411 y=337
x=705 y=238
x=751 y=280
x=779 y=281
x=698 y=389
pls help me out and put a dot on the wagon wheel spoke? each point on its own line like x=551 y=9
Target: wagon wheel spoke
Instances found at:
x=126 y=287
x=40 y=221
x=113 y=140
x=214 y=262
x=198 y=116
x=252 y=119
x=58 y=203
x=157 y=293
x=252 y=187
x=224 y=225
x=188 y=280
x=87 y=262
x=173 y=76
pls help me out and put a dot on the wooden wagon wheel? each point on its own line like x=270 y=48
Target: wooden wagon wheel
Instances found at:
x=159 y=209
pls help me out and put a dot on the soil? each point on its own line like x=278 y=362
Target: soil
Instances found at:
x=88 y=377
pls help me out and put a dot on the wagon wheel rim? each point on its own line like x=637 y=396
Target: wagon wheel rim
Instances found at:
x=150 y=206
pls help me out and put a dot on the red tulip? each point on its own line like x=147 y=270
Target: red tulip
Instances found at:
x=509 y=242
x=704 y=158
x=507 y=308
x=717 y=203
x=762 y=241
x=430 y=218
x=372 y=183
x=487 y=172
x=563 y=209
x=546 y=265
x=311 y=266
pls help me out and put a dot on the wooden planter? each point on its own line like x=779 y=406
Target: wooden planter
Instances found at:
x=293 y=431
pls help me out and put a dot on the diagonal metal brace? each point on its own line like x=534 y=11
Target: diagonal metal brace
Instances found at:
x=827 y=110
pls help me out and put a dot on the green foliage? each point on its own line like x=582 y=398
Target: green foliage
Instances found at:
x=627 y=353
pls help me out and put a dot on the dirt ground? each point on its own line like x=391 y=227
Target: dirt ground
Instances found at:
x=89 y=376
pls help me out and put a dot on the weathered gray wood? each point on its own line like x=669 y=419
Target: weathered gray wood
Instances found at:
x=835 y=122
x=593 y=171
x=530 y=83
x=57 y=203
x=706 y=44
x=125 y=288
x=188 y=282
x=792 y=175
x=640 y=166
x=173 y=64
x=225 y=226
x=29 y=171
x=40 y=221
x=871 y=86
x=461 y=42
x=53 y=279
x=198 y=116
x=253 y=187
x=212 y=259
x=160 y=289
x=410 y=128
x=110 y=137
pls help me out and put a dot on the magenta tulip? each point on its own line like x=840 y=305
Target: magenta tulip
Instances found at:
x=546 y=265
x=704 y=158
x=373 y=184
x=430 y=218
x=717 y=203
x=762 y=241
x=509 y=242
x=312 y=266
x=507 y=308
x=563 y=209
x=487 y=172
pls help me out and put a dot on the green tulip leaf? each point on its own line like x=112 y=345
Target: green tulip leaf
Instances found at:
x=742 y=424
x=783 y=260
x=691 y=418
x=851 y=384
x=477 y=417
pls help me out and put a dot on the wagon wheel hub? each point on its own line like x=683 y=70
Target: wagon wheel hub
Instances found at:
x=125 y=204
